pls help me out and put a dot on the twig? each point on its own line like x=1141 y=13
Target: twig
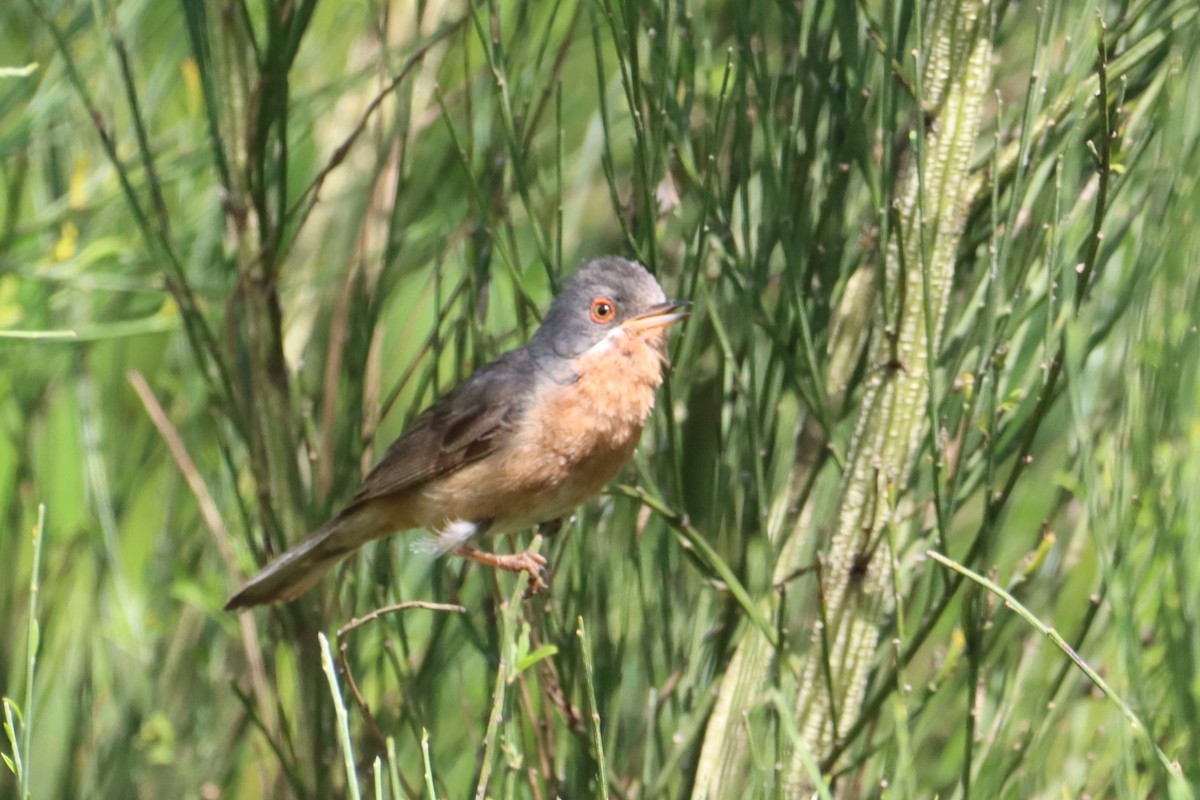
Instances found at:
x=204 y=499
x=358 y=622
x=369 y=718
x=216 y=526
x=308 y=198
x=373 y=728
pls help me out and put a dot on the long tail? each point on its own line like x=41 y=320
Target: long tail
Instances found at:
x=302 y=565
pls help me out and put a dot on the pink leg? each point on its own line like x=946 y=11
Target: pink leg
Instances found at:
x=529 y=562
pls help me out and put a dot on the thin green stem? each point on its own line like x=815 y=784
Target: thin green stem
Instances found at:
x=590 y=684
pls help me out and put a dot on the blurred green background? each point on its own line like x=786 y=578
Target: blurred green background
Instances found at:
x=943 y=259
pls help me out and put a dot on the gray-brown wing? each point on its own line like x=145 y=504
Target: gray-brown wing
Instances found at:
x=462 y=427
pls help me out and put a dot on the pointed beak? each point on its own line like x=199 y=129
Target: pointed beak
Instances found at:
x=659 y=316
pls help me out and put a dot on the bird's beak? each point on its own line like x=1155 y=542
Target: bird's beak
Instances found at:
x=659 y=316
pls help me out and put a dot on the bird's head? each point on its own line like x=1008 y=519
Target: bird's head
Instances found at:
x=609 y=298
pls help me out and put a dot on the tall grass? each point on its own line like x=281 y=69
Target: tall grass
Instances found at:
x=942 y=366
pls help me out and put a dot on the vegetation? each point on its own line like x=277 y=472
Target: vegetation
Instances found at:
x=913 y=517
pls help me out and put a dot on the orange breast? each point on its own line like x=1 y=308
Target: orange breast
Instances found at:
x=571 y=442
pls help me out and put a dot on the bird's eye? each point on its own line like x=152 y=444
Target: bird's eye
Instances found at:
x=603 y=310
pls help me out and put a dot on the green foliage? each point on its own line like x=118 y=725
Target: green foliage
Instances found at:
x=241 y=245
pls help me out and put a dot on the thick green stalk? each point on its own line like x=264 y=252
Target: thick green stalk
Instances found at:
x=721 y=768
x=894 y=411
x=892 y=421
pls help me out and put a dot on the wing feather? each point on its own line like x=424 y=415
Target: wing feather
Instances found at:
x=464 y=426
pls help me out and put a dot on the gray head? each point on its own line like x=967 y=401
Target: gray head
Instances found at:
x=609 y=296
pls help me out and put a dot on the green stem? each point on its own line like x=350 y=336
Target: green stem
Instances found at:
x=895 y=410
x=1011 y=602
x=589 y=680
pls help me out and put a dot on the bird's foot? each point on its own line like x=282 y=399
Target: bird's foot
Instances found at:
x=527 y=561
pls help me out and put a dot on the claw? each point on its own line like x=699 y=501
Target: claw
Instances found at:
x=529 y=562
x=536 y=567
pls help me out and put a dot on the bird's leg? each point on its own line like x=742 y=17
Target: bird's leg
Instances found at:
x=527 y=561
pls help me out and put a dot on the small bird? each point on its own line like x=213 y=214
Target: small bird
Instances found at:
x=524 y=440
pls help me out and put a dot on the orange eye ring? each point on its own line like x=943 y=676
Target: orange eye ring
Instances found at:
x=603 y=310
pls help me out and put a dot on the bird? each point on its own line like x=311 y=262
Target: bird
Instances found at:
x=525 y=440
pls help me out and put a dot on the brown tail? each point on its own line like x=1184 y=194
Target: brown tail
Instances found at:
x=302 y=565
